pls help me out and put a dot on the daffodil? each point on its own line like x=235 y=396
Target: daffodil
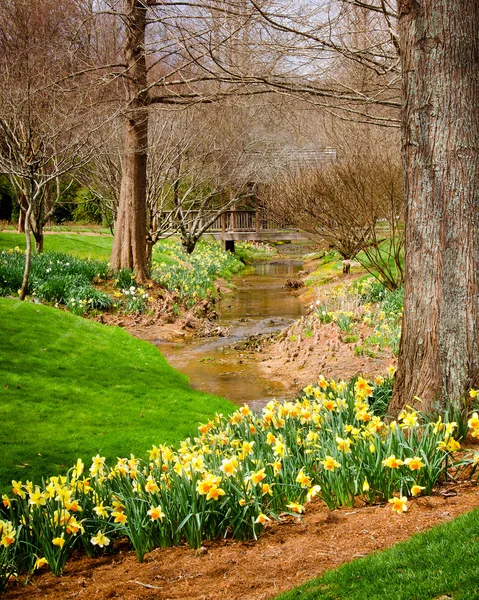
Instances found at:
x=414 y=463
x=119 y=517
x=39 y=563
x=262 y=519
x=258 y=476
x=58 y=541
x=392 y=462
x=100 y=511
x=151 y=486
x=37 y=498
x=330 y=464
x=303 y=479
x=313 y=492
x=416 y=490
x=399 y=505
x=215 y=493
x=100 y=540
x=295 y=507
x=473 y=422
x=156 y=513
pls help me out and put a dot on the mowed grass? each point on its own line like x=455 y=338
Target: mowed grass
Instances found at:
x=440 y=563
x=72 y=388
x=78 y=244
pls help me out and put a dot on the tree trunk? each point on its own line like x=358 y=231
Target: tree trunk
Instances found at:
x=39 y=240
x=129 y=244
x=439 y=351
x=28 y=255
x=21 y=214
x=188 y=244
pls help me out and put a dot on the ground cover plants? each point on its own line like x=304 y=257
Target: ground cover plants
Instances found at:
x=71 y=387
x=57 y=277
x=86 y=285
x=237 y=474
x=364 y=302
x=193 y=276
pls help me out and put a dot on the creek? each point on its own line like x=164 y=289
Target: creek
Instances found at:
x=260 y=304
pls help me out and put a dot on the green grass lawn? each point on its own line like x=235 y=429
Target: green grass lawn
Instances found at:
x=78 y=244
x=72 y=388
x=440 y=563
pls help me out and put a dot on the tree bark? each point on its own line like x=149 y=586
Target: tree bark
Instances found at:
x=21 y=214
x=129 y=244
x=28 y=255
x=439 y=350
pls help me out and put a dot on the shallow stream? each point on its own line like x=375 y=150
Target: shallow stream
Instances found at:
x=260 y=304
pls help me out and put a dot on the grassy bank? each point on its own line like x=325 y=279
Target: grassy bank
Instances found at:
x=73 y=388
x=77 y=244
x=440 y=563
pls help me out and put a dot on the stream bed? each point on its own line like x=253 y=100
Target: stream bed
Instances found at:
x=260 y=304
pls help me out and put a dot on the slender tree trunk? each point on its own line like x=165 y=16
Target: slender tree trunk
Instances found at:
x=439 y=351
x=21 y=214
x=129 y=245
x=28 y=255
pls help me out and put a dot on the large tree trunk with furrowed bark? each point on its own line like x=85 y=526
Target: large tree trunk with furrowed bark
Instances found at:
x=129 y=245
x=439 y=351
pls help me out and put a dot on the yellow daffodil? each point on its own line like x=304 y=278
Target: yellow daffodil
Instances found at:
x=262 y=519
x=399 y=505
x=416 y=490
x=120 y=517
x=37 y=498
x=39 y=563
x=151 y=486
x=392 y=462
x=414 y=463
x=58 y=541
x=344 y=445
x=215 y=493
x=101 y=511
x=258 y=476
x=229 y=466
x=100 y=539
x=295 y=507
x=330 y=464
x=156 y=513
x=303 y=479
x=313 y=492
x=266 y=488
x=473 y=422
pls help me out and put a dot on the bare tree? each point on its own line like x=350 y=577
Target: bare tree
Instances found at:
x=354 y=204
x=42 y=135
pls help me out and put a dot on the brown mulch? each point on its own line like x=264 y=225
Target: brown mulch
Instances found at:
x=288 y=554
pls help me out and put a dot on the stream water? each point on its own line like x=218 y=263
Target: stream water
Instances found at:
x=260 y=304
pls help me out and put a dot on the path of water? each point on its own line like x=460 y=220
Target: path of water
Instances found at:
x=260 y=304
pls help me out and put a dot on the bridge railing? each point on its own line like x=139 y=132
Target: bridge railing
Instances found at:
x=239 y=221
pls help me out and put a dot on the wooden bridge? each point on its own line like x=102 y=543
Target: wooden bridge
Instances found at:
x=253 y=225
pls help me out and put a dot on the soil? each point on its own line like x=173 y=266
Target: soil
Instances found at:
x=298 y=363
x=289 y=553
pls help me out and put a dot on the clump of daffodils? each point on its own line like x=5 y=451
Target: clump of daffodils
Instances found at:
x=241 y=472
